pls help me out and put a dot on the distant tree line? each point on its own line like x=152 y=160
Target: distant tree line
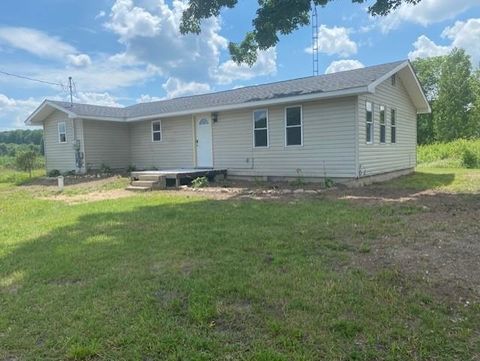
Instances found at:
x=16 y=141
x=453 y=90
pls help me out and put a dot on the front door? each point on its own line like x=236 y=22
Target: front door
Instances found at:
x=203 y=125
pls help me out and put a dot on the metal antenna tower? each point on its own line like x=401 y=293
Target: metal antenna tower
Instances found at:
x=70 y=87
x=315 y=38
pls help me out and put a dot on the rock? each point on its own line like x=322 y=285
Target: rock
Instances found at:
x=311 y=191
x=298 y=191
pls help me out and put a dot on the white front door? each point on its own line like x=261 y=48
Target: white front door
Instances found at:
x=203 y=124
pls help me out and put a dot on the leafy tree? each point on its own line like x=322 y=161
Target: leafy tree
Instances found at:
x=475 y=109
x=273 y=17
x=455 y=98
x=26 y=161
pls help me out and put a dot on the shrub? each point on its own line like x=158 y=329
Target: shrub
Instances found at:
x=105 y=169
x=200 y=182
x=457 y=154
x=25 y=161
x=54 y=173
x=131 y=168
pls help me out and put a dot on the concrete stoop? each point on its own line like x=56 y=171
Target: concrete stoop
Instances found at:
x=147 y=183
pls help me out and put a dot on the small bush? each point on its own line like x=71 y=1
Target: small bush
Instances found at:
x=469 y=159
x=68 y=173
x=131 y=168
x=25 y=161
x=105 y=169
x=200 y=182
x=54 y=173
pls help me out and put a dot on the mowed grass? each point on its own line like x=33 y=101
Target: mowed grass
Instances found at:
x=186 y=278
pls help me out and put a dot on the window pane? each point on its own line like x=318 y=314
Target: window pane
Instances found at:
x=369 y=107
x=369 y=132
x=157 y=136
x=394 y=135
x=261 y=138
x=294 y=116
x=260 y=118
x=156 y=127
x=61 y=127
x=369 y=113
x=393 y=117
x=294 y=136
x=382 y=115
x=382 y=133
x=63 y=137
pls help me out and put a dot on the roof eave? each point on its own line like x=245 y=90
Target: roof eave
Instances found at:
x=31 y=120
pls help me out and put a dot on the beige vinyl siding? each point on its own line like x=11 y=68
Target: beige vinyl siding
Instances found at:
x=328 y=142
x=175 y=149
x=106 y=143
x=60 y=156
x=381 y=158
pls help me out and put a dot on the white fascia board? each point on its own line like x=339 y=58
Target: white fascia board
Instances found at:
x=107 y=119
x=44 y=104
x=261 y=103
x=373 y=86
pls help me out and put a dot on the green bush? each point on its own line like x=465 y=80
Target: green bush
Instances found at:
x=26 y=161
x=200 y=182
x=54 y=173
x=460 y=153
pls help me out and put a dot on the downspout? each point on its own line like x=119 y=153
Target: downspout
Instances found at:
x=357 y=138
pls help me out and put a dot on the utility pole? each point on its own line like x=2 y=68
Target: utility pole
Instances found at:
x=315 y=38
x=71 y=90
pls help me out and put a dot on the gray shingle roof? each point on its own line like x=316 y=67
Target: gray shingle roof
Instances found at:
x=310 y=85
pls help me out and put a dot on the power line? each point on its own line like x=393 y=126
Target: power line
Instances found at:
x=31 y=79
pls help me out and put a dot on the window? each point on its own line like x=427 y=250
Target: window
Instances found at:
x=260 y=128
x=382 y=124
x=393 y=126
x=369 y=120
x=62 y=132
x=394 y=79
x=293 y=126
x=157 y=131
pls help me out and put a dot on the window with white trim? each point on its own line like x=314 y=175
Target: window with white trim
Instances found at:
x=293 y=126
x=383 y=130
x=393 y=126
x=394 y=79
x=62 y=132
x=369 y=122
x=260 y=128
x=156 y=131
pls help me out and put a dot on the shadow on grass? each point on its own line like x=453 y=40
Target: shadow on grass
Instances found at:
x=250 y=280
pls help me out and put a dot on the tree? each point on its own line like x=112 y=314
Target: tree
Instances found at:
x=455 y=98
x=273 y=17
x=475 y=109
x=429 y=71
x=26 y=161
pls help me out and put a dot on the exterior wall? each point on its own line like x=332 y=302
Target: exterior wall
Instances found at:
x=379 y=158
x=328 y=142
x=106 y=143
x=174 y=151
x=60 y=156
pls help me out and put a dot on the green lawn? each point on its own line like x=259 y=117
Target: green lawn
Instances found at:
x=172 y=277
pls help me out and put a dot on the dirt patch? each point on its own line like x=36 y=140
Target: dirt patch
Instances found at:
x=90 y=197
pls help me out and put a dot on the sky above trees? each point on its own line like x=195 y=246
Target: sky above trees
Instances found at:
x=124 y=51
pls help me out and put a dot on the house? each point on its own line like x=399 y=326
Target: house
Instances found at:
x=344 y=126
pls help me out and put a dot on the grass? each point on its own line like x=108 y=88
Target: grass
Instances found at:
x=154 y=276
x=457 y=154
x=8 y=173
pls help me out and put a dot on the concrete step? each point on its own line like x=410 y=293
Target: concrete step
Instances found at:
x=143 y=183
x=138 y=188
x=149 y=178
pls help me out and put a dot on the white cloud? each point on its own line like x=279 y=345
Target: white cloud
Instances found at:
x=334 y=41
x=426 y=48
x=13 y=112
x=342 y=65
x=151 y=35
x=80 y=60
x=147 y=98
x=177 y=88
x=463 y=34
x=425 y=13
x=105 y=99
x=266 y=64
x=100 y=15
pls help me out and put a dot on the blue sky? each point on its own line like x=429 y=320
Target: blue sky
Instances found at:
x=120 y=52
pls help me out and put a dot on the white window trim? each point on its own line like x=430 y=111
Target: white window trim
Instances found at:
x=293 y=126
x=158 y=131
x=394 y=79
x=373 y=122
x=380 y=123
x=395 y=126
x=58 y=128
x=268 y=131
